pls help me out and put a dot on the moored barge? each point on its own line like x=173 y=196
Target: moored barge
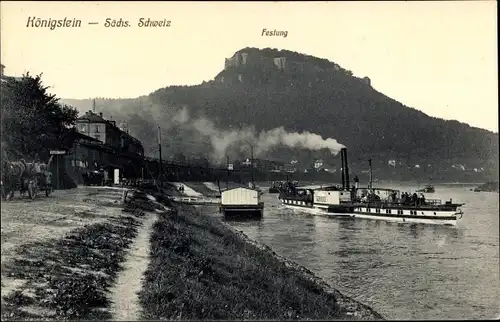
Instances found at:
x=241 y=203
x=369 y=202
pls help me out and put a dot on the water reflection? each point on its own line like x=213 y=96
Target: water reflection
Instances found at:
x=414 y=230
x=405 y=271
x=242 y=219
x=450 y=231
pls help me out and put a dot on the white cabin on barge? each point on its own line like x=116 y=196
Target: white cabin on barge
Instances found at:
x=242 y=202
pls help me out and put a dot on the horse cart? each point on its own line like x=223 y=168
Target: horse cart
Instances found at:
x=25 y=177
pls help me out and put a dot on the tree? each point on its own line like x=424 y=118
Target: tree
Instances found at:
x=33 y=121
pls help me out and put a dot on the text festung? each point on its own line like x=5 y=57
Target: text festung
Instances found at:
x=53 y=23
x=274 y=32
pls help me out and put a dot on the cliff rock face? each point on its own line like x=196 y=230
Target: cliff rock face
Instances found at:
x=251 y=60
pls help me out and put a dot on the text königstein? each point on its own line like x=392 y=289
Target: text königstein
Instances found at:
x=36 y=22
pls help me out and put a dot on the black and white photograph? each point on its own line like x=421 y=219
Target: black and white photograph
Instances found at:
x=232 y=160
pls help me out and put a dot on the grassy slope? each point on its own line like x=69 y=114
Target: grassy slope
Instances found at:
x=69 y=278
x=201 y=269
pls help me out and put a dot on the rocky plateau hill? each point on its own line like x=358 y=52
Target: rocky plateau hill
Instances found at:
x=269 y=88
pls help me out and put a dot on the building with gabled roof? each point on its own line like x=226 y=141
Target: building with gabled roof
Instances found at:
x=106 y=131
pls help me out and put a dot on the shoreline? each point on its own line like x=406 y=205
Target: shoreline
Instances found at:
x=345 y=301
x=348 y=303
x=201 y=268
x=198 y=267
x=348 y=308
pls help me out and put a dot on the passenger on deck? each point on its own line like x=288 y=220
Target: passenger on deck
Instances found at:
x=414 y=198
x=406 y=198
x=393 y=196
x=356 y=182
x=422 y=199
x=374 y=197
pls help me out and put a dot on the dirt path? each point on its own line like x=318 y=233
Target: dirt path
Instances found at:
x=124 y=296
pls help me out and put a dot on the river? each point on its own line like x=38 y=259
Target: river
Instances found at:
x=403 y=271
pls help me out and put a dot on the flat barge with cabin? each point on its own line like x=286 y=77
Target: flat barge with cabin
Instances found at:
x=242 y=203
x=369 y=202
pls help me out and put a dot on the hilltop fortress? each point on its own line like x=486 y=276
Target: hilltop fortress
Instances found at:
x=236 y=68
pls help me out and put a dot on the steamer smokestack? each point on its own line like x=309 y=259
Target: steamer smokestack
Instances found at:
x=342 y=169
x=346 y=169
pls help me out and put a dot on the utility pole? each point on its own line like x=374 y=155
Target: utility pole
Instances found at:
x=251 y=161
x=370 y=180
x=159 y=151
x=57 y=173
x=227 y=166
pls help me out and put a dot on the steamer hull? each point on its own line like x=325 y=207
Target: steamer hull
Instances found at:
x=396 y=213
x=370 y=203
x=429 y=215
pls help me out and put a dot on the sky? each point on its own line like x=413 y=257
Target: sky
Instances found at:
x=439 y=57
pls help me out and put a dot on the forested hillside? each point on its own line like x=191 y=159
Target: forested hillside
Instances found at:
x=266 y=89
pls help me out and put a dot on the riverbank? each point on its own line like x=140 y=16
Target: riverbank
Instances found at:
x=67 y=269
x=105 y=257
x=349 y=306
x=201 y=268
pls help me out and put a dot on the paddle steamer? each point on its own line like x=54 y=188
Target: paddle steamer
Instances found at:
x=370 y=202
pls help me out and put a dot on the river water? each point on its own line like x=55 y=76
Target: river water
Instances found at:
x=403 y=271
